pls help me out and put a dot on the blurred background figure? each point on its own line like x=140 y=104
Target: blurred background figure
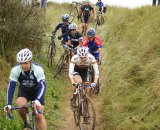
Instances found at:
x=155 y=1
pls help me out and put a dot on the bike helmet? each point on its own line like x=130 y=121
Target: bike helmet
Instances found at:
x=87 y=1
x=65 y=17
x=91 y=32
x=82 y=51
x=72 y=26
x=24 y=55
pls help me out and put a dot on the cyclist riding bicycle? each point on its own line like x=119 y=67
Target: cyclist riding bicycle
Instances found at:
x=32 y=86
x=64 y=27
x=78 y=70
x=94 y=44
x=85 y=12
x=101 y=6
x=74 y=37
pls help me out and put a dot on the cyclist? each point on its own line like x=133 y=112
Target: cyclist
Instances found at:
x=102 y=8
x=78 y=69
x=64 y=27
x=74 y=37
x=32 y=86
x=85 y=12
x=94 y=44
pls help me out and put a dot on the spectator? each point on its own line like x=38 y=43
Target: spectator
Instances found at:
x=154 y=2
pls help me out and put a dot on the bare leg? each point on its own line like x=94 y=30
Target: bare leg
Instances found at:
x=40 y=120
x=21 y=101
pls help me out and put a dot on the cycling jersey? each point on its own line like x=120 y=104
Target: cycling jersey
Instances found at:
x=31 y=81
x=75 y=39
x=94 y=45
x=86 y=9
x=77 y=66
x=100 y=5
x=64 y=30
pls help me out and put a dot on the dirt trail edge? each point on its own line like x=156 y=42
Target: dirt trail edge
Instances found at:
x=68 y=122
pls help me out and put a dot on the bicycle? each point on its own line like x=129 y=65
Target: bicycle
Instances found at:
x=64 y=57
x=99 y=20
x=51 y=49
x=31 y=122
x=75 y=11
x=84 y=111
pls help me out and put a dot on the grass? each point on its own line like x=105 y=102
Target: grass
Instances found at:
x=131 y=69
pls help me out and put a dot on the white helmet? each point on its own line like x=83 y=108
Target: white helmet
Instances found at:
x=82 y=51
x=24 y=55
x=72 y=26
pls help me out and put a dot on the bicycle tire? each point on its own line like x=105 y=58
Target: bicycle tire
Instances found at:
x=90 y=126
x=34 y=122
x=76 y=111
x=50 y=54
x=59 y=65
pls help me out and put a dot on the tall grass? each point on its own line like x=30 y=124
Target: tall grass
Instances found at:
x=131 y=69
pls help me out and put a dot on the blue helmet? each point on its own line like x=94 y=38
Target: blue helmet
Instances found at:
x=91 y=32
x=65 y=17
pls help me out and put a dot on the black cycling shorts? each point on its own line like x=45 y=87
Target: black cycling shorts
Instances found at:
x=104 y=9
x=30 y=95
x=85 y=19
x=82 y=73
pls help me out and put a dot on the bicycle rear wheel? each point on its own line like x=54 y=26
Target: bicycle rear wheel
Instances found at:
x=59 y=65
x=87 y=108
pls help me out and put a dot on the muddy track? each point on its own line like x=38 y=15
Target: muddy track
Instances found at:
x=68 y=122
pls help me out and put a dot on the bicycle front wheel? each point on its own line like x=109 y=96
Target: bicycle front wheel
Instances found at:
x=60 y=65
x=88 y=118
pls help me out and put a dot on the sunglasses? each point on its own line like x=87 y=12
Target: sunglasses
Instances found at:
x=73 y=29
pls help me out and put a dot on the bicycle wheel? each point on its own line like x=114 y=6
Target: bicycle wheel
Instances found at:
x=50 y=54
x=33 y=122
x=59 y=65
x=88 y=109
x=76 y=111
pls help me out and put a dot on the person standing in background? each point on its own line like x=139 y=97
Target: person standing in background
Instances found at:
x=154 y=2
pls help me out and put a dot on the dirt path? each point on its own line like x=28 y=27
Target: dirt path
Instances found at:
x=68 y=122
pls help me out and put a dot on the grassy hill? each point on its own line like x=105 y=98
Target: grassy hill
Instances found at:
x=131 y=69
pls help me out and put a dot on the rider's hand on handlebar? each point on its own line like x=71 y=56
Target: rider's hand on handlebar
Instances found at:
x=37 y=103
x=59 y=37
x=93 y=85
x=76 y=84
x=7 y=108
x=54 y=33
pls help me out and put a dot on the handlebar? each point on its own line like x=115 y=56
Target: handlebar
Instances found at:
x=77 y=3
x=68 y=47
x=21 y=107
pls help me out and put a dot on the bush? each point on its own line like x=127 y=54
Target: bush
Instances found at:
x=21 y=26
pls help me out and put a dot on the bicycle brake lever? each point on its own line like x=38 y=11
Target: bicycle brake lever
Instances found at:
x=38 y=111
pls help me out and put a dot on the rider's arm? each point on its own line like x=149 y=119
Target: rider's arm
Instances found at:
x=10 y=91
x=100 y=53
x=69 y=41
x=99 y=46
x=12 y=84
x=41 y=83
x=85 y=42
x=66 y=33
x=71 y=70
x=57 y=27
x=96 y=71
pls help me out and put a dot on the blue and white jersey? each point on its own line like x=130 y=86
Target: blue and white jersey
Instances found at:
x=29 y=81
